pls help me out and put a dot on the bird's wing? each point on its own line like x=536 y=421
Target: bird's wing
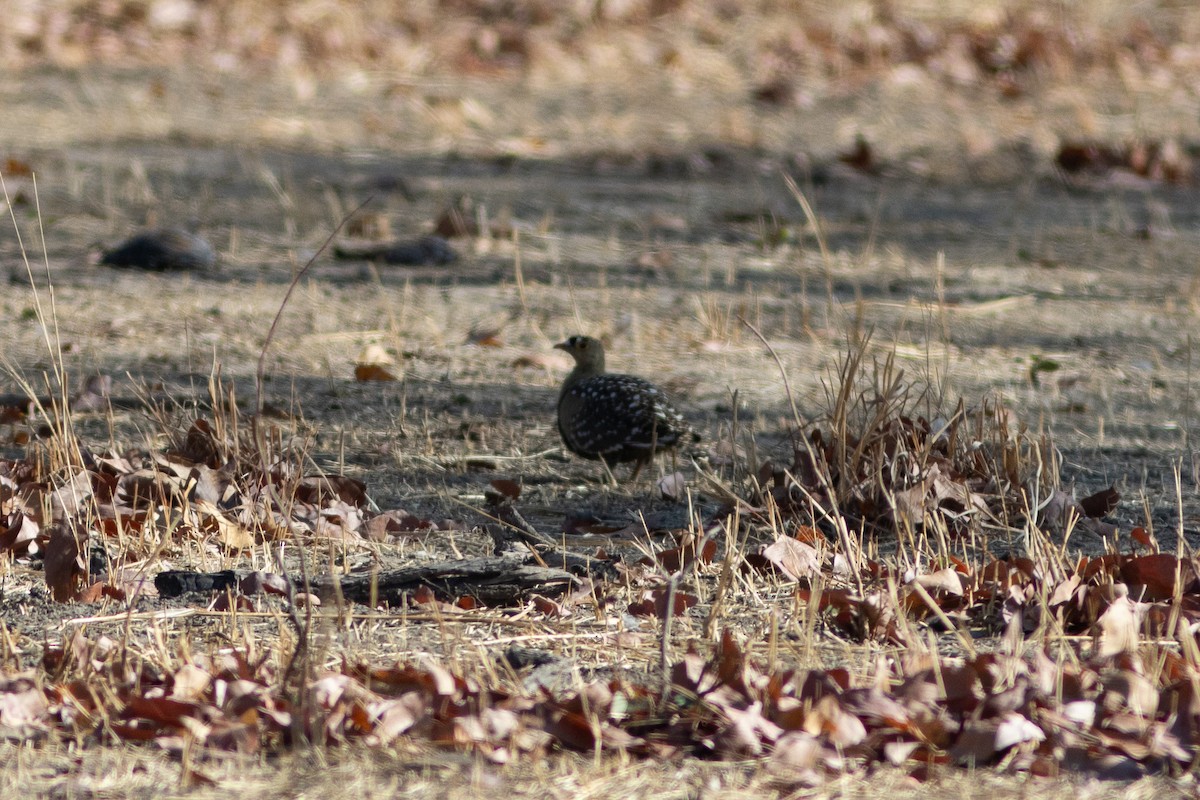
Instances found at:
x=614 y=415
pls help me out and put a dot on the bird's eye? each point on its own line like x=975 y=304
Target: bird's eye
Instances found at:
x=582 y=344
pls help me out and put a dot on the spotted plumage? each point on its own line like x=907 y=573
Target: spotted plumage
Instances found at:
x=612 y=417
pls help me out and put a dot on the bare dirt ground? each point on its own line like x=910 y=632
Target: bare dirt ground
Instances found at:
x=656 y=215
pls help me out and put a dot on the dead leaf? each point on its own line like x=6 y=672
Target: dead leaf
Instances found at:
x=654 y=603
x=1156 y=577
x=1015 y=729
x=1100 y=504
x=673 y=486
x=945 y=581
x=189 y=683
x=231 y=602
x=396 y=716
x=398 y=521
x=19 y=534
x=68 y=499
x=1140 y=536
x=324 y=489
x=16 y=168
x=231 y=534
x=485 y=337
x=798 y=754
x=99 y=591
x=364 y=373
x=747 y=733
x=829 y=720
x=1119 y=627
x=675 y=558
x=212 y=485
x=795 y=559
x=266 y=582
x=898 y=752
x=24 y=709
x=547 y=607
x=65 y=563
x=374 y=363
x=506 y=489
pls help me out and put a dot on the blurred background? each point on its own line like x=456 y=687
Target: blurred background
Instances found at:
x=1026 y=166
x=949 y=89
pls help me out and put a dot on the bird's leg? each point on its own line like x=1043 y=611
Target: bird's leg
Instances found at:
x=608 y=471
x=637 y=469
x=653 y=447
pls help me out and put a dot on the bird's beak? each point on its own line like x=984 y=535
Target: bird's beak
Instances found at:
x=562 y=346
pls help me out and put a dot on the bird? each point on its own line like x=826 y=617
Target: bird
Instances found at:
x=162 y=250
x=612 y=417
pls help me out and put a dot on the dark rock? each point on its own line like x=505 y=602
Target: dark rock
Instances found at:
x=164 y=250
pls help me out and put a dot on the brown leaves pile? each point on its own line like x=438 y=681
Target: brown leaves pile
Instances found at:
x=1007 y=52
x=210 y=488
x=1116 y=716
x=1126 y=705
x=1151 y=160
x=900 y=474
x=1117 y=597
x=958 y=481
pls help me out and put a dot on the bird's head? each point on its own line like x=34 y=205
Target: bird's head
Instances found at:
x=587 y=351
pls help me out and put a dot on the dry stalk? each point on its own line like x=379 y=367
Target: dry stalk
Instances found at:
x=303 y=628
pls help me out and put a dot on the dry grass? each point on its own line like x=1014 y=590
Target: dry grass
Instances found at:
x=928 y=85
x=691 y=40
x=960 y=299
x=862 y=408
x=135 y=773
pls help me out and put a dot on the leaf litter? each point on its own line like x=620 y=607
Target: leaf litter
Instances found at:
x=1097 y=669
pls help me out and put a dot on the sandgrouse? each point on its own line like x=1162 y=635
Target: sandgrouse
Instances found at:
x=611 y=417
